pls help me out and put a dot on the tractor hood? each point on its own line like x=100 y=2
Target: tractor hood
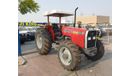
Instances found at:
x=73 y=30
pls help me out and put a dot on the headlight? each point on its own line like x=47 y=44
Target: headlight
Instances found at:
x=89 y=38
x=94 y=38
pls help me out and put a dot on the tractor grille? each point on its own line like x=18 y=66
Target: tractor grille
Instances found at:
x=91 y=39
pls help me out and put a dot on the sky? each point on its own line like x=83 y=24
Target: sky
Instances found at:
x=86 y=8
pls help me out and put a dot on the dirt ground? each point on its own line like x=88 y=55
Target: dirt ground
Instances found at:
x=48 y=65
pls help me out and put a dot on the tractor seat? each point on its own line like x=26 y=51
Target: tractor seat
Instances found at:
x=57 y=30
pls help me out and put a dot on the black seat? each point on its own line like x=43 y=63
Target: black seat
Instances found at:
x=57 y=30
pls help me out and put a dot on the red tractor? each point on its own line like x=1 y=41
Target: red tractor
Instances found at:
x=71 y=41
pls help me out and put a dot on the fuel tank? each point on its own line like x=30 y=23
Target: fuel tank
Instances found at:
x=77 y=35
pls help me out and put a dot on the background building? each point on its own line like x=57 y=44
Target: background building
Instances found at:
x=94 y=20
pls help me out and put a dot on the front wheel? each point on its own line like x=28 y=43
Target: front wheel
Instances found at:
x=98 y=53
x=69 y=55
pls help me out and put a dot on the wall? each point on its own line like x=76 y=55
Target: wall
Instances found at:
x=93 y=20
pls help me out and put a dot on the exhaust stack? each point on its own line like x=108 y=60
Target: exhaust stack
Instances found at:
x=75 y=16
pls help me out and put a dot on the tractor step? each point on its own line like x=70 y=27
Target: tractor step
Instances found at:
x=55 y=46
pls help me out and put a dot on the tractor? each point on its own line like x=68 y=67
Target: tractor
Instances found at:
x=71 y=41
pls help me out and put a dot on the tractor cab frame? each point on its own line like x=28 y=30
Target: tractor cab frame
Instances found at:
x=55 y=29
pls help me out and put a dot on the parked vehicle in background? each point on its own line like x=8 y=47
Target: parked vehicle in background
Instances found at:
x=106 y=30
x=30 y=33
x=23 y=35
x=27 y=33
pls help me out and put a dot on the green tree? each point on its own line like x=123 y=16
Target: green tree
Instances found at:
x=26 y=6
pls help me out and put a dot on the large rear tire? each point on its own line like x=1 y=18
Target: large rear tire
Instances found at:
x=99 y=52
x=69 y=55
x=43 y=41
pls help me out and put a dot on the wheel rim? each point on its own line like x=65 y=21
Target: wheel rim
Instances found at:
x=65 y=56
x=39 y=41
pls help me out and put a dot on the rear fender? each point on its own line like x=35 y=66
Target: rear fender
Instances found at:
x=50 y=30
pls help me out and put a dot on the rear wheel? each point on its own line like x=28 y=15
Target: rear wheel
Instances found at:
x=98 y=53
x=43 y=41
x=69 y=55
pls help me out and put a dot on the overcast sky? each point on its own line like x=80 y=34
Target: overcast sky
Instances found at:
x=86 y=8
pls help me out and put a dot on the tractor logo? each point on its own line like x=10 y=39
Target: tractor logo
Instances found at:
x=74 y=32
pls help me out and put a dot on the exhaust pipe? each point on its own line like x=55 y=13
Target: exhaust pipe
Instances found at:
x=75 y=16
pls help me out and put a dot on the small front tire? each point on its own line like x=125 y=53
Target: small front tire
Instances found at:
x=99 y=52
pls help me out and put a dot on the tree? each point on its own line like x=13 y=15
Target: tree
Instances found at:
x=26 y=6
